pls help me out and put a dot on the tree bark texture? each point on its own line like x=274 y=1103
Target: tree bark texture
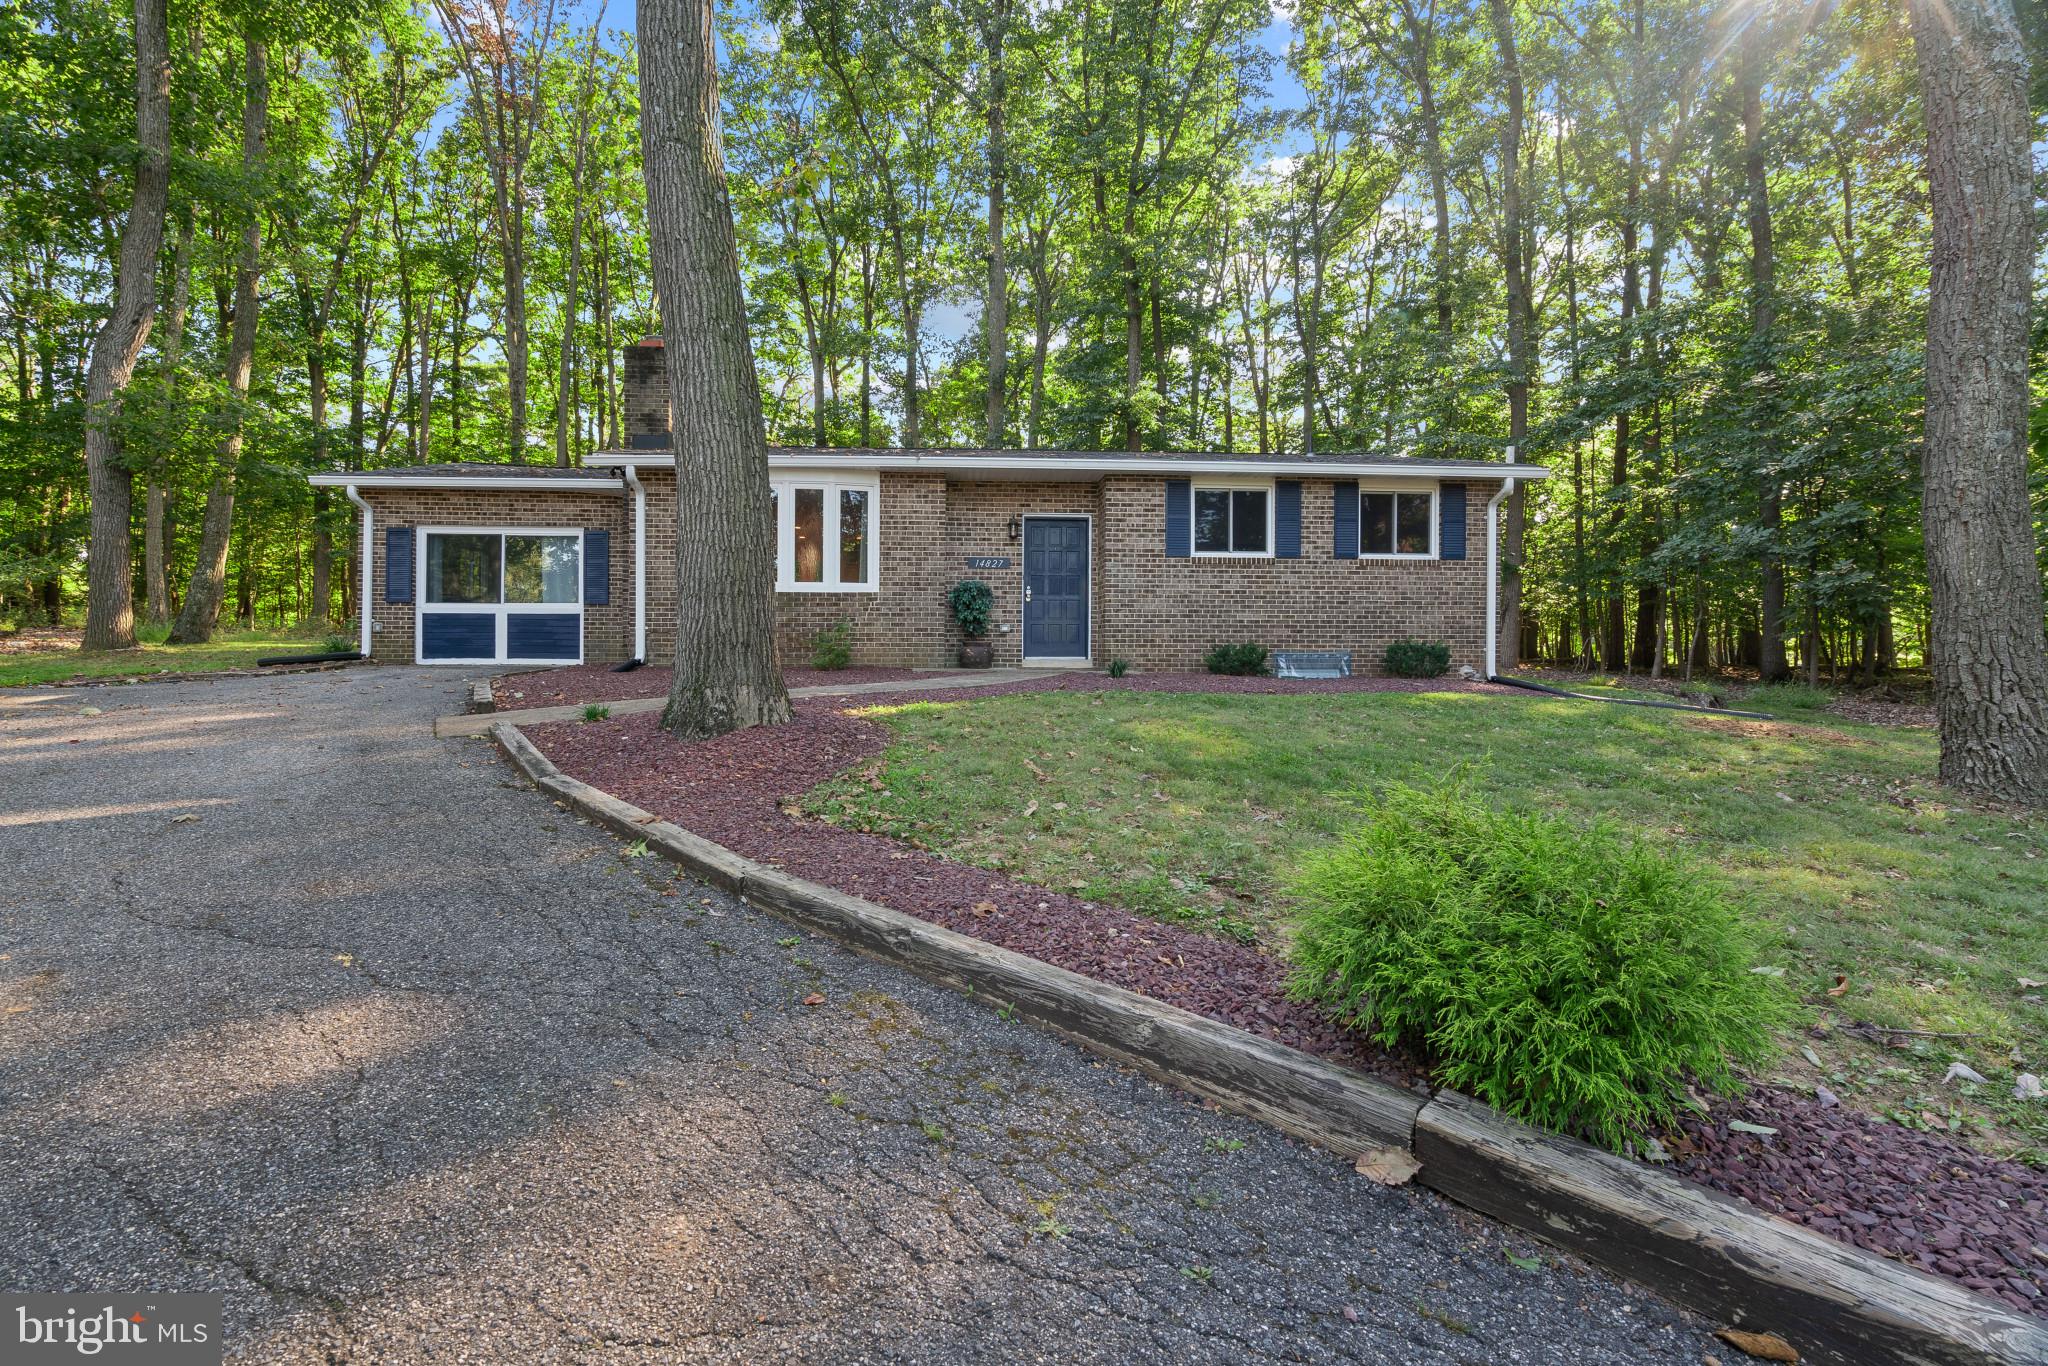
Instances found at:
x=110 y=590
x=1990 y=660
x=726 y=677
x=1514 y=266
x=201 y=610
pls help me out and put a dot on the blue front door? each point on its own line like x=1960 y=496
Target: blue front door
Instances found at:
x=1056 y=588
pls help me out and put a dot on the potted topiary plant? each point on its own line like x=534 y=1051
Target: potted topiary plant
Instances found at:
x=973 y=603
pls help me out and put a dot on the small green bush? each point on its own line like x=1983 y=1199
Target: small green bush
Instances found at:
x=335 y=643
x=1412 y=658
x=1245 y=659
x=832 y=648
x=596 y=711
x=1119 y=667
x=1574 y=977
x=973 y=603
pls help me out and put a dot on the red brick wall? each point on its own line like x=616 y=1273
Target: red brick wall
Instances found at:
x=1155 y=611
x=607 y=631
x=1165 y=613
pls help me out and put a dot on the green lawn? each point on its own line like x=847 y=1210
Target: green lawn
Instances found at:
x=44 y=656
x=1195 y=807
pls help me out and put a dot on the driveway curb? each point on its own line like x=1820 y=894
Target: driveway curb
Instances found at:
x=1707 y=1251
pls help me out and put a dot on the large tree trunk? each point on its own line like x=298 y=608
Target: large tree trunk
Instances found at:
x=725 y=676
x=110 y=590
x=156 y=517
x=201 y=611
x=1514 y=265
x=1763 y=317
x=1990 y=660
x=996 y=311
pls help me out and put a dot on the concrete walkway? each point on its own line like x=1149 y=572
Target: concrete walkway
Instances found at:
x=448 y=727
x=302 y=1006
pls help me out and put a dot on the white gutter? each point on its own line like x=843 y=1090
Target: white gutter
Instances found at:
x=1493 y=572
x=596 y=483
x=363 y=603
x=1049 y=465
x=639 y=561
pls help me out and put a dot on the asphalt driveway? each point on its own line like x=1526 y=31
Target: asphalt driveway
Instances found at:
x=308 y=1008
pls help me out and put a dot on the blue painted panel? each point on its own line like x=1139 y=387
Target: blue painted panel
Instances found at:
x=1345 y=527
x=543 y=635
x=458 y=635
x=1451 y=518
x=1180 y=497
x=398 y=564
x=597 y=567
x=1287 y=519
x=1056 y=573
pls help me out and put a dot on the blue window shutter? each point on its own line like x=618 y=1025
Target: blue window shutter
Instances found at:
x=1450 y=501
x=1345 y=527
x=1287 y=519
x=597 y=567
x=1180 y=497
x=398 y=564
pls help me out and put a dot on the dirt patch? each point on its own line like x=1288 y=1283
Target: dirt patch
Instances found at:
x=40 y=640
x=1908 y=715
x=1766 y=730
x=1920 y=1198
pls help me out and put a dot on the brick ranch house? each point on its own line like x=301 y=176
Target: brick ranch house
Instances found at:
x=1150 y=557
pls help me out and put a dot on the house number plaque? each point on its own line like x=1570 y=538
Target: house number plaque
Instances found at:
x=988 y=561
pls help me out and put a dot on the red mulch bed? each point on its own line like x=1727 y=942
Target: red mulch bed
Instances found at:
x=1923 y=1199
x=597 y=683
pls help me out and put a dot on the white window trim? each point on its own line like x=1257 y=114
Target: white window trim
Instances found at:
x=1435 y=493
x=1267 y=486
x=499 y=610
x=785 y=487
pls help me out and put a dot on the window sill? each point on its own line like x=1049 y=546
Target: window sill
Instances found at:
x=1230 y=554
x=1409 y=558
x=827 y=588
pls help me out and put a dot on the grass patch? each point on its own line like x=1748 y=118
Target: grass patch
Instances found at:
x=1202 y=806
x=54 y=657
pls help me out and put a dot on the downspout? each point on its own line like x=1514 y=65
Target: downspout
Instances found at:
x=1493 y=573
x=363 y=607
x=639 y=562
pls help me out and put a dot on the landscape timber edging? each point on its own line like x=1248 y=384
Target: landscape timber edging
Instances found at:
x=481 y=700
x=1710 y=1252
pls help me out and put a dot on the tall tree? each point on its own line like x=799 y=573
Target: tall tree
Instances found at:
x=1989 y=655
x=110 y=591
x=200 y=612
x=726 y=677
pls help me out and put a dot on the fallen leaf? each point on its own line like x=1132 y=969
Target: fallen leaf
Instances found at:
x=1764 y=1346
x=1030 y=808
x=984 y=908
x=2028 y=983
x=185 y=819
x=1841 y=984
x=16 y=1010
x=814 y=999
x=1388 y=1166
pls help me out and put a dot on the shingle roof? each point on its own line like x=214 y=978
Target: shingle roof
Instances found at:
x=1017 y=456
x=462 y=468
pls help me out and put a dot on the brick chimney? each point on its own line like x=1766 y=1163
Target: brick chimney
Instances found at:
x=646 y=396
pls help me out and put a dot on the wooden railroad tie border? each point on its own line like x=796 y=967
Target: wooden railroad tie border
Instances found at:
x=1712 y=1253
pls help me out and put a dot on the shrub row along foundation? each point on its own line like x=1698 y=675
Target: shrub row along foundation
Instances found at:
x=1704 y=1250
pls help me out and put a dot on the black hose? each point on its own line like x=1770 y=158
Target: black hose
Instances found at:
x=628 y=666
x=331 y=657
x=1534 y=686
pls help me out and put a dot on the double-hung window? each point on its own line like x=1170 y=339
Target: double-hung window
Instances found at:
x=1397 y=524
x=1233 y=520
x=824 y=535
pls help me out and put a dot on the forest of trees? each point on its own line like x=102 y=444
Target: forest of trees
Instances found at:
x=1677 y=251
